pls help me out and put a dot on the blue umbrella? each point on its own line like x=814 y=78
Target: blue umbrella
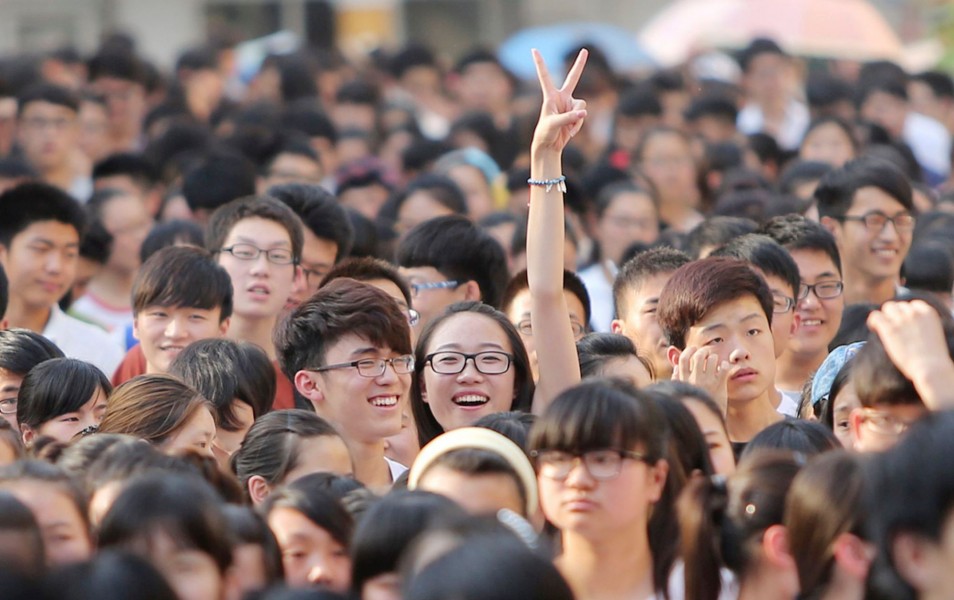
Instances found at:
x=554 y=41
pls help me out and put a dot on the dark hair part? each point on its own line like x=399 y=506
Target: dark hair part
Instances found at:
x=391 y=526
x=571 y=283
x=184 y=508
x=16 y=518
x=723 y=520
x=224 y=371
x=765 y=254
x=44 y=472
x=320 y=212
x=513 y=424
x=247 y=527
x=643 y=266
x=343 y=307
x=716 y=231
x=808 y=438
x=224 y=219
x=57 y=387
x=171 y=233
x=596 y=349
x=218 y=179
x=836 y=190
x=29 y=203
x=22 y=349
x=272 y=447
x=182 y=277
x=367 y=269
x=795 y=232
x=313 y=496
x=427 y=426
x=460 y=251
x=700 y=286
x=823 y=503
x=49 y=93
x=109 y=573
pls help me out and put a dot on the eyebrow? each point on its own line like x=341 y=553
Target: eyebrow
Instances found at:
x=456 y=346
x=10 y=388
x=246 y=240
x=49 y=242
x=714 y=326
x=368 y=350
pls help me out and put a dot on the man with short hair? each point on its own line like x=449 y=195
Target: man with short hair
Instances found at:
x=636 y=293
x=348 y=350
x=716 y=314
x=48 y=135
x=868 y=207
x=40 y=227
x=448 y=260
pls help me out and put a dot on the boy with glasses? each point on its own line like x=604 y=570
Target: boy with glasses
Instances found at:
x=820 y=301
x=448 y=260
x=867 y=206
x=258 y=241
x=348 y=351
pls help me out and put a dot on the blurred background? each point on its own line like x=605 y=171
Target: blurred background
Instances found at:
x=637 y=34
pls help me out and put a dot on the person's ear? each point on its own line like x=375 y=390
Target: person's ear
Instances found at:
x=775 y=547
x=830 y=224
x=657 y=483
x=4 y=324
x=224 y=326
x=910 y=554
x=672 y=355
x=853 y=555
x=796 y=323
x=617 y=326
x=28 y=435
x=422 y=385
x=472 y=291
x=307 y=385
x=258 y=489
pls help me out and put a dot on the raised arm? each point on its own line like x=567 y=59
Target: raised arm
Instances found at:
x=561 y=116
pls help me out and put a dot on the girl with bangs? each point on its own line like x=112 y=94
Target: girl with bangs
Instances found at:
x=600 y=454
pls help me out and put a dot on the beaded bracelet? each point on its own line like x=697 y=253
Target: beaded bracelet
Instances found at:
x=559 y=182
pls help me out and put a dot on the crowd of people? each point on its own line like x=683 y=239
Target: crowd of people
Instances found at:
x=385 y=329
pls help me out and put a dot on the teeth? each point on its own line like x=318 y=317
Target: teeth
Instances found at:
x=886 y=252
x=384 y=401
x=471 y=399
x=811 y=322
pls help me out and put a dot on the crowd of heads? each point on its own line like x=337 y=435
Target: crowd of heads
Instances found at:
x=277 y=333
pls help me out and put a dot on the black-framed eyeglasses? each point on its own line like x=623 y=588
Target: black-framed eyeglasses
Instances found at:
x=600 y=464
x=373 y=367
x=417 y=288
x=8 y=406
x=824 y=290
x=875 y=221
x=276 y=256
x=312 y=276
x=526 y=328
x=781 y=303
x=489 y=362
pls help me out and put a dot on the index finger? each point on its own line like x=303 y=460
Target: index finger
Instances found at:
x=543 y=74
x=576 y=71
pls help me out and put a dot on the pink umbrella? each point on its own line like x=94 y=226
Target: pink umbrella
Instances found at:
x=852 y=29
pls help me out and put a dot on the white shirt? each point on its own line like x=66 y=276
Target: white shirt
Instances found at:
x=396 y=468
x=751 y=120
x=931 y=144
x=600 y=290
x=83 y=341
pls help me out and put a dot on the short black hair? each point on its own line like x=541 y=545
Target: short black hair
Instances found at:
x=304 y=117
x=131 y=164
x=941 y=84
x=224 y=219
x=755 y=48
x=836 y=190
x=642 y=266
x=441 y=188
x=716 y=231
x=118 y=65
x=183 y=276
x=798 y=172
x=639 y=101
x=197 y=59
x=460 y=251
x=224 y=370
x=929 y=267
x=33 y=202
x=411 y=56
x=320 y=212
x=823 y=90
x=22 y=349
x=170 y=233
x=49 y=93
x=56 y=387
x=219 y=178
x=367 y=268
x=765 y=254
x=795 y=232
x=571 y=283
x=716 y=105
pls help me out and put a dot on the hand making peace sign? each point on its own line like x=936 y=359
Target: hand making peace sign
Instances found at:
x=561 y=115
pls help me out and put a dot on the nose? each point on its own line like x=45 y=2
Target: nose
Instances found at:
x=54 y=262
x=318 y=573
x=470 y=372
x=579 y=476
x=260 y=264
x=175 y=328
x=809 y=302
x=739 y=353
